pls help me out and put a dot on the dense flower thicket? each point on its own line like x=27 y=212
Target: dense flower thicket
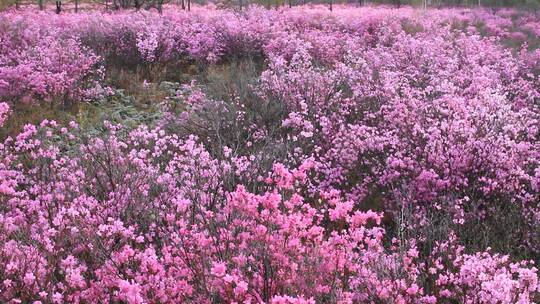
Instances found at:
x=62 y=57
x=151 y=217
x=381 y=157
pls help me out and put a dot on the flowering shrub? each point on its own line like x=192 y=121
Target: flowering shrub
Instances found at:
x=47 y=68
x=381 y=156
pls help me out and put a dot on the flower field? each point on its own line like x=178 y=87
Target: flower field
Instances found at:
x=287 y=156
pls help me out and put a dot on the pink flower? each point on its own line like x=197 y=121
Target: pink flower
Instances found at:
x=29 y=279
x=241 y=288
x=219 y=269
x=130 y=292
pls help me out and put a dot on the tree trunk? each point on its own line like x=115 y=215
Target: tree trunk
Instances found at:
x=290 y=3
x=76 y=6
x=331 y=5
x=189 y=5
x=58 y=6
x=40 y=2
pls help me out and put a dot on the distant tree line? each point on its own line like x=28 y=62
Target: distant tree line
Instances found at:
x=75 y=5
x=534 y=4
x=431 y=3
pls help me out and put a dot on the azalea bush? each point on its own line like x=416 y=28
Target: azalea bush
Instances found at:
x=366 y=155
x=41 y=67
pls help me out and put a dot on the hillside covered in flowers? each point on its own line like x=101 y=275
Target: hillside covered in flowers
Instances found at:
x=286 y=156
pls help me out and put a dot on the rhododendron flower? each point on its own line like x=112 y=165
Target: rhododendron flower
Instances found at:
x=219 y=269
